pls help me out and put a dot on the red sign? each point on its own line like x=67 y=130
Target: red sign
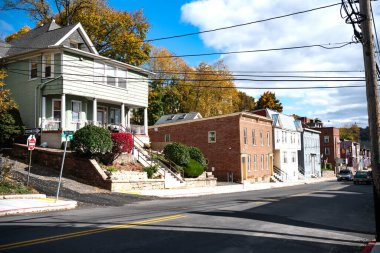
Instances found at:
x=31 y=142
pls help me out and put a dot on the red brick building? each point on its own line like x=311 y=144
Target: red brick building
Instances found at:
x=330 y=144
x=237 y=145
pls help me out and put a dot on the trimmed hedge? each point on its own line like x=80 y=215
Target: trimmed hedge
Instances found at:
x=193 y=169
x=92 y=141
x=177 y=153
x=197 y=155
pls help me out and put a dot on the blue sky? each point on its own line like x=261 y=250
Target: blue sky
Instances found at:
x=172 y=17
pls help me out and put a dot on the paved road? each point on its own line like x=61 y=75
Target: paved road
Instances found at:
x=325 y=217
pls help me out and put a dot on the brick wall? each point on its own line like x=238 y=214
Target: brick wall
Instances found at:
x=224 y=156
x=333 y=143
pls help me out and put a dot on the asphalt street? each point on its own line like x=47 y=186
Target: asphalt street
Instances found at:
x=324 y=217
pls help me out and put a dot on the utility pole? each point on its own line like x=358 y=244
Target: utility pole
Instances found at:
x=372 y=104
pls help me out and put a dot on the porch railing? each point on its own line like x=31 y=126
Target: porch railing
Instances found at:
x=51 y=124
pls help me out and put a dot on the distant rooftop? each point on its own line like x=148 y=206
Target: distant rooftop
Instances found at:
x=179 y=117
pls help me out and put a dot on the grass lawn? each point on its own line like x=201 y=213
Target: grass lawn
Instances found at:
x=13 y=187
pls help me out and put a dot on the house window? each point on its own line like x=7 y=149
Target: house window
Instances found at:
x=293 y=157
x=167 y=138
x=75 y=110
x=262 y=162
x=115 y=116
x=283 y=136
x=99 y=72
x=326 y=138
x=253 y=137
x=268 y=139
x=33 y=68
x=249 y=163
x=211 y=136
x=254 y=162
x=327 y=151
x=245 y=135
x=47 y=65
x=111 y=75
x=261 y=138
x=285 y=157
x=56 y=109
x=122 y=78
x=286 y=137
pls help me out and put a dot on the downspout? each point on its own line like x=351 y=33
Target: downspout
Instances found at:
x=37 y=96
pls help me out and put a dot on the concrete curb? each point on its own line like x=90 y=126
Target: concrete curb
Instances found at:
x=32 y=203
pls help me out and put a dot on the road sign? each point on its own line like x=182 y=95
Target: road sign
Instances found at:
x=68 y=134
x=31 y=142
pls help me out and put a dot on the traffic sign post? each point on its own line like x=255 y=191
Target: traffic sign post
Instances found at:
x=31 y=143
x=67 y=135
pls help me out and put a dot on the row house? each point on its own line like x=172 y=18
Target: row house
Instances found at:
x=350 y=151
x=286 y=143
x=309 y=156
x=60 y=82
x=237 y=146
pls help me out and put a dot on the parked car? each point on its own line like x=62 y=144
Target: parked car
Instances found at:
x=344 y=175
x=363 y=177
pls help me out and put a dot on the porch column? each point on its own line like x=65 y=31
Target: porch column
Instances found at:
x=129 y=118
x=122 y=115
x=43 y=112
x=94 y=111
x=146 y=121
x=63 y=111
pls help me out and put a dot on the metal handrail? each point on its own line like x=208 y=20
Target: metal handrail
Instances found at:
x=280 y=172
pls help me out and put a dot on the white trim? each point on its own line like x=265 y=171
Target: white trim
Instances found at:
x=208 y=136
x=83 y=33
x=80 y=110
x=52 y=107
x=30 y=68
x=43 y=65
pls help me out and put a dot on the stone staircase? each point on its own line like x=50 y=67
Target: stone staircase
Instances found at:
x=278 y=175
x=172 y=179
x=301 y=173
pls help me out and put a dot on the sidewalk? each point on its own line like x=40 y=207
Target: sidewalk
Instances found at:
x=225 y=188
x=32 y=203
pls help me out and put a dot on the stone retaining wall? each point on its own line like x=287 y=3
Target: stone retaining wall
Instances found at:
x=89 y=171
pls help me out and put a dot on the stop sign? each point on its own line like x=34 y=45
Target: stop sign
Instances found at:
x=31 y=142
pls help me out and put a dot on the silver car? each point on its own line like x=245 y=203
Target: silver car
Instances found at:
x=344 y=175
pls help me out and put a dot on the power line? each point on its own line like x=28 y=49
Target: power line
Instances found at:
x=376 y=37
x=243 y=24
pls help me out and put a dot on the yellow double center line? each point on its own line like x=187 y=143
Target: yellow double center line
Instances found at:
x=87 y=232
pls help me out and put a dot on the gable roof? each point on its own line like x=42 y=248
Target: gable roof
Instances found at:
x=179 y=117
x=44 y=37
x=283 y=121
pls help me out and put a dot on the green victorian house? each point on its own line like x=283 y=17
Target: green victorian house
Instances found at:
x=60 y=82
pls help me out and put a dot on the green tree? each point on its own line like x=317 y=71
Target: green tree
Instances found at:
x=115 y=34
x=351 y=133
x=269 y=100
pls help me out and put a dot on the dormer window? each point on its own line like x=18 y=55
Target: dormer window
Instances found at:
x=171 y=117
x=75 y=44
x=183 y=116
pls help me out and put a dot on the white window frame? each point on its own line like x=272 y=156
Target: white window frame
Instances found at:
x=262 y=162
x=119 y=76
x=261 y=138
x=245 y=135
x=114 y=109
x=79 y=113
x=268 y=138
x=111 y=75
x=285 y=157
x=208 y=137
x=253 y=137
x=167 y=138
x=326 y=137
x=44 y=65
x=249 y=163
x=52 y=108
x=35 y=59
x=294 y=157
x=254 y=162
x=99 y=72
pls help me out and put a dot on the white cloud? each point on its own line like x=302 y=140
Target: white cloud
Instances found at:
x=317 y=27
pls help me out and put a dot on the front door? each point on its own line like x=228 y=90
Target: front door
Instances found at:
x=244 y=167
x=102 y=116
x=312 y=164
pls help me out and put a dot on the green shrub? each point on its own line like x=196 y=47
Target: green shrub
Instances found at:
x=193 y=169
x=151 y=170
x=197 y=155
x=177 y=153
x=328 y=166
x=10 y=126
x=92 y=141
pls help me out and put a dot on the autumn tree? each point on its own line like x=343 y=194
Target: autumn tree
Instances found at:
x=17 y=34
x=10 y=120
x=351 y=133
x=115 y=34
x=269 y=100
x=244 y=103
